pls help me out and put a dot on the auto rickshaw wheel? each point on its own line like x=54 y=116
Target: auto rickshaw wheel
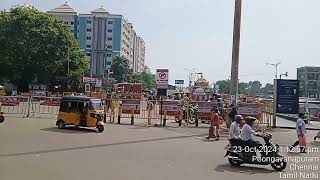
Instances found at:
x=61 y=124
x=100 y=128
x=1 y=119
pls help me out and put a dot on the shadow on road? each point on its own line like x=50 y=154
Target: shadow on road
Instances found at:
x=95 y=146
x=315 y=143
x=70 y=130
x=243 y=169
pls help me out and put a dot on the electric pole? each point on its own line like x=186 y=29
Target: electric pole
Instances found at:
x=235 y=52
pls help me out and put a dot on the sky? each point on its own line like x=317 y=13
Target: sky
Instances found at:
x=187 y=34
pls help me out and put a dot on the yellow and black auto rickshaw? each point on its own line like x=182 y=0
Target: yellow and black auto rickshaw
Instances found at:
x=80 y=111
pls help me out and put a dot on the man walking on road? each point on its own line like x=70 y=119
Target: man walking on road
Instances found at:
x=301 y=132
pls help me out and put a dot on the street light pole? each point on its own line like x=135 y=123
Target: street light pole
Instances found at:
x=190 y=75
x=235 y=53
x=275 y=65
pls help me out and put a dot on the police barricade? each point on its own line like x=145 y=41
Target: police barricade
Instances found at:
x=17 y=105
x=44 y=105
x=140 y=109
x=205 y=109
x=254 y=110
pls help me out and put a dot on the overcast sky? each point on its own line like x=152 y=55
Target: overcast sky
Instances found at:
x=198 y=33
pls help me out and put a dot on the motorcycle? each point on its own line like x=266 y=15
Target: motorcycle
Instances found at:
x=238 y=155
x=192 y=114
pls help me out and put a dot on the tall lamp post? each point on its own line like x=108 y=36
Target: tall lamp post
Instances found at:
x=274 y=116
x=275 y=65
x=190 y=75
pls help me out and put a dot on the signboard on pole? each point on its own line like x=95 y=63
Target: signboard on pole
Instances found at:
x=179 y=81
x=287 y=96
x=162 y=78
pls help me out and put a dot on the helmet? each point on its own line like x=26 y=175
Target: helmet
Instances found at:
x=250 y=120
x=238 y=118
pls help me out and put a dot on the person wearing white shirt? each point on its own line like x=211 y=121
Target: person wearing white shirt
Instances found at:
x=301 y=131
x=247 y=133
x=234 y=131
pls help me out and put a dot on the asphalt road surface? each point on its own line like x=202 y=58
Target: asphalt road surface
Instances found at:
x=34 y=149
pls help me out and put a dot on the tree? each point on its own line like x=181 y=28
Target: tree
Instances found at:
x=121 y=69
x=224 y=86
x=255 y=87
x=243 y=88
x=267 y=89
x=37 y=47
x=148 y=80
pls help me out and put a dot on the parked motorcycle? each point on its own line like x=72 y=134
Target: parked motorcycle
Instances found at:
x=238 y=155
x=192 y=114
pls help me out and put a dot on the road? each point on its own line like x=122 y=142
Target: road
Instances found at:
x=281 y=122
x=34 y=149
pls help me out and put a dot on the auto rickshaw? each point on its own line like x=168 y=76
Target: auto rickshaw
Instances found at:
x=81 y=112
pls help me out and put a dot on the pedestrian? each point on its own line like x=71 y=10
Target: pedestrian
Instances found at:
x=214 y=127
x=234 y=131
x=301 y=132
x=317 y=136
x=232 y=113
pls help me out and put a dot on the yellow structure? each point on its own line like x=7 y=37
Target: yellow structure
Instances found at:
x=81 y=111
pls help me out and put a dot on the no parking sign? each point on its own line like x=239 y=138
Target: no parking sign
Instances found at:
x=162 y=78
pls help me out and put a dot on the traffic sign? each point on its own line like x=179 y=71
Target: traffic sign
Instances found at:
x=287 y=99
x=162 y=78
x=179 y=81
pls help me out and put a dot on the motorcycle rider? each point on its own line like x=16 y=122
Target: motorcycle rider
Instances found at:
x=234 y=131
x=247 y=134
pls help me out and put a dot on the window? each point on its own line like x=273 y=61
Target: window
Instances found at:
x=88 y=30
x=110 y=22
x=109 y=47
x=88 y=54
x=71 y=23
x=65 y=22
x=88 y=22
x=109 y=38
x=108 y=55
x=89 y=38
x=108 y=63
x=88 y=46
x=73 y=106
x=64 y=106
x=311 y=76
x=110 y=30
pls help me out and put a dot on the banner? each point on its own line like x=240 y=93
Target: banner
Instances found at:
x=205 y=108
x=127 y=105
x=51 y=102
x=9 y=101
x=250 y=110
x=172 y=107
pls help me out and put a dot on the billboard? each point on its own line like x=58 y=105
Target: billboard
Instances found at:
x=287 y=96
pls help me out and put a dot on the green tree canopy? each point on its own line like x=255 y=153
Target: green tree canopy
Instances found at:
x=148 y=80
x=121 y=69
x=35 y=45
x=254 y=87
x=224 y=86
